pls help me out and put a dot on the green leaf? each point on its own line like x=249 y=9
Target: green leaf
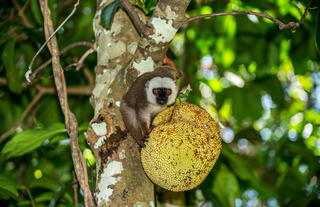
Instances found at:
x=7 y=188
x=4 y=38
x=36 y=11
x=9 y=63
x=151 y=4
x=44 y=197
x=29 y=140
x=226 y=186
x=317 y=30
x=238 y=164
x=245 y=172
x=48 y=107
x=45 y=182
x=9 y=113
x=246 y=102
x=83 y=126
x=108 y=13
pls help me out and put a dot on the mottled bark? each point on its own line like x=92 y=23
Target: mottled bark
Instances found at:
x=123 y=54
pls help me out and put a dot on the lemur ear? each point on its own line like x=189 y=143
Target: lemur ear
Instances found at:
x=175 y=72
x=178 y=74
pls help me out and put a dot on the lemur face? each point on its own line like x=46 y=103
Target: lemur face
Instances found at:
x=162 y=91
x=161 y=95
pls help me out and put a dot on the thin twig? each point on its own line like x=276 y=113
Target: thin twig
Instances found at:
x=30 y=196
x=140 y=26
x=25 y=20
x=291 y=25
x=83 y=57
x=22 y=117
x=25 y=6
x=305 y=13
x=41 y=67
x=278 y=22
x=29 y=72
x=89 y=77
x=71 y=90
x=75 y=189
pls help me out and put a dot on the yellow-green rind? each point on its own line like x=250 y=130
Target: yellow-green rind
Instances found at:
x=182 y=148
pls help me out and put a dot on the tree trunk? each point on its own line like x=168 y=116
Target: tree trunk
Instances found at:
x=123 y=54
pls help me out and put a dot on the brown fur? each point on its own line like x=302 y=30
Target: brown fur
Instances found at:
x=135 y=103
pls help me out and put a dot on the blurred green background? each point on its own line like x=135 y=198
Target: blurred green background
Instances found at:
x=262 y=84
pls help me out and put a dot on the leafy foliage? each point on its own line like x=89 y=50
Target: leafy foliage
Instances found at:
x=7 y=188
x=29 y=140
x=108 y=13
x=261 y=83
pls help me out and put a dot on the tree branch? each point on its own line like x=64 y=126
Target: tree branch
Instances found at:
x=139 y=25
x=83 y=57
x=70 y=120
x=28 y=73
x=76 y=44
x=42 y=90
x=291 y=25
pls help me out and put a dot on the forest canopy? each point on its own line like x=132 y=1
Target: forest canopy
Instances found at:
x=261 y=83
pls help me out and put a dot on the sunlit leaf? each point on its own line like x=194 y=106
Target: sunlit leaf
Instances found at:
x=216 y=85
x=37 y=174
x=230 y=25
x=88 y=157
x=228 y=57
x=191 y=34
x=206 y=10
x=7 y=188
x=108 y=13
x=312 y=116
x=225 y=110
x=28 y=140
x=306 y=82
x=252 y=67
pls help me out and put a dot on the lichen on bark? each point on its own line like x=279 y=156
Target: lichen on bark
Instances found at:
x=123 y=54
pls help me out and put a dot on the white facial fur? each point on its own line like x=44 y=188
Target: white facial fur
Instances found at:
x=158 y=82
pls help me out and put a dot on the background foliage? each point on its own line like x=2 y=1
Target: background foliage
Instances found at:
x=261 y=83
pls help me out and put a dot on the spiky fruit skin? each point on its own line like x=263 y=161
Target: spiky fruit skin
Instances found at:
x=182 y=148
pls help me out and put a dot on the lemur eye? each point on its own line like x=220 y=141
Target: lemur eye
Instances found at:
x=154 y=91
x=169 y=91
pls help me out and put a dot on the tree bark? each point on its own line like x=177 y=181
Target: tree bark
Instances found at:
x=123 y=54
